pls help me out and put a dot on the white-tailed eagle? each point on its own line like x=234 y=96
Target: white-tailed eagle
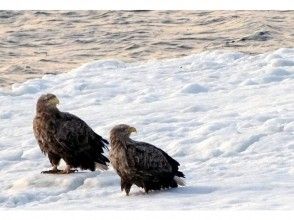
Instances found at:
x=141 y=163
x=62 y=135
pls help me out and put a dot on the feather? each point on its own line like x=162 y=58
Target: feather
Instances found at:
x=101 y=166
x=180 y=181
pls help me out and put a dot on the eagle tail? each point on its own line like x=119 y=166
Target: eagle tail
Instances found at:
x=103 y=142
x=101 y=166
x=102 y=159
x=179 y=181
x=180 y=174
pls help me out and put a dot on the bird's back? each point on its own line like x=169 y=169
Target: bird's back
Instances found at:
x=144 y=157
x=85 y=146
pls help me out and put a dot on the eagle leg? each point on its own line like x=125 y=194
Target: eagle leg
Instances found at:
x=53 y=171
x=68 y=170
x=145 y=188
x=125 y=185
x=128 y=188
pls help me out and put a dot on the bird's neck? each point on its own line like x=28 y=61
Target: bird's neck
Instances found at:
x=46 y=110
x=119 y=141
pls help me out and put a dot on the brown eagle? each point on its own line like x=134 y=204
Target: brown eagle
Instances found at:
x=141 y=163
x=62 y=135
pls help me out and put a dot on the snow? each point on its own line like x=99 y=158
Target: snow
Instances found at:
x=227 y=117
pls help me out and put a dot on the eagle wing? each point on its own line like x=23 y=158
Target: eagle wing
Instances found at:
x=146 y=158
x=75 y=136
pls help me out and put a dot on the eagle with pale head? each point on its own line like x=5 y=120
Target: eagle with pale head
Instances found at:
x=141 y=163
x=62 y=135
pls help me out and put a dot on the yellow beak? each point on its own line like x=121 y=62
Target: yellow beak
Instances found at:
x=54 y=101
x=132 y=129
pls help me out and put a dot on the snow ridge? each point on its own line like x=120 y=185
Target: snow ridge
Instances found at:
x=227 y=117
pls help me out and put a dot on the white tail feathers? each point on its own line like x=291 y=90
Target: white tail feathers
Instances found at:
x=101 y=166
x=179 y=181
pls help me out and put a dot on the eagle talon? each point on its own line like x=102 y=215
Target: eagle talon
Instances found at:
x=54 y=171
x=68 y=171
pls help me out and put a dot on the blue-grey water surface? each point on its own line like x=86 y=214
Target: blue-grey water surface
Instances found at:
x=34 y=43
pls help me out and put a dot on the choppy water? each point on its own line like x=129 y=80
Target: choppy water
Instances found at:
x=34 y=43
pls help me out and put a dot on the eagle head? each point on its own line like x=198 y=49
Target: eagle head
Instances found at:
x=47 y=101
x=122 y=131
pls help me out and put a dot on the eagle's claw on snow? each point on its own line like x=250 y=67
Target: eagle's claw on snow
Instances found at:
x=53 y=171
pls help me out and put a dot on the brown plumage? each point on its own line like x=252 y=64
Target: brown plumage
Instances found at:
x=141 y=163
x=62 y=135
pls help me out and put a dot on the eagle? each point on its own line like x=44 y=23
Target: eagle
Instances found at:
x=141 y=163
x=62 y=135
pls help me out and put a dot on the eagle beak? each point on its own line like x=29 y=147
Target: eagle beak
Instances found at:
x=132 y=129
x=54 y=101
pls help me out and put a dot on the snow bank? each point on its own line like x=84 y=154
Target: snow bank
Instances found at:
x=227 y=117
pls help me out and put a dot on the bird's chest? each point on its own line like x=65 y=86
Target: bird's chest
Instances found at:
x=119 y=160
x=45 y=132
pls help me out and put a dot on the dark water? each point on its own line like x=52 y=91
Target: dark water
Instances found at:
x=34 y=43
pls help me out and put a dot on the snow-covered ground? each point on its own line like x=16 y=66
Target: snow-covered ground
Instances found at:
x=227 y=117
